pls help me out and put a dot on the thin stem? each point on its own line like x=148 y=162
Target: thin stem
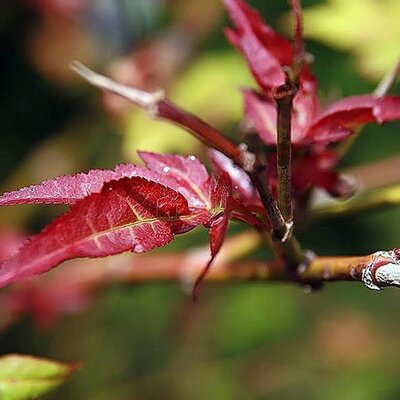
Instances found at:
x=283 y=96
x=279 y=228
x=203 y=131
x=159 y=107
x=388 y=81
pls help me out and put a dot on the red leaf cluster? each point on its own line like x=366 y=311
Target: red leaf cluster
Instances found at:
x=139 y=208
x=130 y=208
x=273 y=60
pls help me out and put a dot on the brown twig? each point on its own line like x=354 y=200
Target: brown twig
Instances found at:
x=283 y=96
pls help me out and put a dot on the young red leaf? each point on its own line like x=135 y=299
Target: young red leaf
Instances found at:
x=264 y=67
x=339 y=120
x=186 y=175
x=129 y=214
x=242 y=213
x=246 y=18
x=240 y=179
x=70 y=188
x=316 y=169
x=10 y=241
x=222 y=203
x=263 y=49
x=261 y=113
x=306 y=105
x=298 y=30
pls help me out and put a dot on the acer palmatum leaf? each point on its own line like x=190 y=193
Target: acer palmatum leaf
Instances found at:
x=241 y=183
x=222 y=203
x=265 y=68
x=309 y=126
x=186 y=175
x=247 y=19
x=10 y=241
x=129 y=214
x=69 y=189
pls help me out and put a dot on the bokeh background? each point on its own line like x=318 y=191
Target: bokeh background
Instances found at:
x=241 y=341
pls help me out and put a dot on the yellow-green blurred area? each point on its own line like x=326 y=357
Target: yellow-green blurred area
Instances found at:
x=241 y=341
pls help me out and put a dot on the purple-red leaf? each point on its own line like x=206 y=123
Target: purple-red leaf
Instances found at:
x=69 y=189
x=263 y=49
x=261 y=113
x=264 y=67
x=222 y=208
x=129 y=214
x=186 y=175
x=339 y=120
x=298 y=30
x=222 y=202
x=306 y=106
x=10 y=241
x=247 y=18
x=240 y=180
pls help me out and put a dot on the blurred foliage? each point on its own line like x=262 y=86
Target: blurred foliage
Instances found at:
x=359 y=27
x=28 y=378
x=249 y=341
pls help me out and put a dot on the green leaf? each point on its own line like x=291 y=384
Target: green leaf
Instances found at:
x=26 y=377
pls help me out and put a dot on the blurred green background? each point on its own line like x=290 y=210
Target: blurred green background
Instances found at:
x=241 y=341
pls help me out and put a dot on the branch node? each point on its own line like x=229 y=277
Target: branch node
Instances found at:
x=382 y=271
x=289 y=229
x=309 y=256
x=248 y=159
x=146 y=100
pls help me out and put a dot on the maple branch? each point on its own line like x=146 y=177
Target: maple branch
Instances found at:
x=370 y=270
x=81 y=279
x=283 y=95
x=158 y=106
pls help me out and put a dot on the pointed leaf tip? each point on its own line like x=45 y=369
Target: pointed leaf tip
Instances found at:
x=68 y=189
x=222 y=204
